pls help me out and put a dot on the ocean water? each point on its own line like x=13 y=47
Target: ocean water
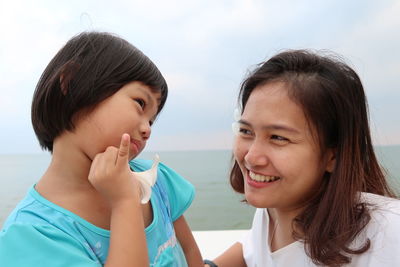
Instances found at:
x=216 y=206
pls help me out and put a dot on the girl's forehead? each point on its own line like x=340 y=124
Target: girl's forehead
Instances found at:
x=150 y=94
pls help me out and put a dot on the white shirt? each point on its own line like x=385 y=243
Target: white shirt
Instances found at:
x=383 y=230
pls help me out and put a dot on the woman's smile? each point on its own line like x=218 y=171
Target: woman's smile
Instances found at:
x=261 y=181
x=277 y=171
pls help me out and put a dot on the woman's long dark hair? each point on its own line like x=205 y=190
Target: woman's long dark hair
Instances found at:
x=333 y=100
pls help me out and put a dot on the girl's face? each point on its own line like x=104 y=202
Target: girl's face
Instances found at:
x=132 y=109
x=280 y=160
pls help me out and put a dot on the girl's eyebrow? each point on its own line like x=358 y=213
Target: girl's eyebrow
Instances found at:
x=280 y=127
x=149 y=98
x=147 y=95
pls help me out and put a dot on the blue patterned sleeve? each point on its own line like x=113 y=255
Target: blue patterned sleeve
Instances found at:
x=180 y=191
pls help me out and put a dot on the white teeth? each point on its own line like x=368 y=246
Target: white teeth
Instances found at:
x=262 y=178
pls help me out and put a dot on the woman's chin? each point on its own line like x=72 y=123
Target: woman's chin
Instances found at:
x=255 y=201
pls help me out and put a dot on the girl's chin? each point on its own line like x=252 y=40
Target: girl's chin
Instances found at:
x=133 y=153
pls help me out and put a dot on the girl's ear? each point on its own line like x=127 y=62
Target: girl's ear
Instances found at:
x=331 y=160
x=63 y=85
x=67 y=73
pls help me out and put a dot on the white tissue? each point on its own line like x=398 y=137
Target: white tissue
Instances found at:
x=235 y=128
x=237 y=114
x=147 y=179
x=235 y=124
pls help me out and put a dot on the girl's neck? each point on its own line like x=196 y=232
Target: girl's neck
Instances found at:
x=69 y=166
x=65 y=183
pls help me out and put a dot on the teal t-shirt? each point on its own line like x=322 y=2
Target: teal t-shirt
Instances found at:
x=40 y=233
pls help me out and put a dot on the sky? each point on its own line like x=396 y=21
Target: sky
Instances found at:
x=204 y=48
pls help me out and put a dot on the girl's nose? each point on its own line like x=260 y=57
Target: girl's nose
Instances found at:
x=256 y=156
x=145 y=130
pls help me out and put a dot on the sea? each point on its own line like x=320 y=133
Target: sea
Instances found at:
x=216 y=206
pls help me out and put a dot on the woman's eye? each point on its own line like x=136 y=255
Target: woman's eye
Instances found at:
x=244 y=131
x=279 y=138
x=141 y=102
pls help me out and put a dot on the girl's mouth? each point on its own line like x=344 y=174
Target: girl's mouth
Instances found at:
x=137 y=145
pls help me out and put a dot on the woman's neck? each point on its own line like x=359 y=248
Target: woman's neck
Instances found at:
x=281 y=227
x=283 y=216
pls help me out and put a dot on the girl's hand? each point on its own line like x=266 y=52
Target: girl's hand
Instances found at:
x=111 y=176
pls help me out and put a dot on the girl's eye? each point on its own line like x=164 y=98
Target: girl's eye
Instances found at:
x=141 y=102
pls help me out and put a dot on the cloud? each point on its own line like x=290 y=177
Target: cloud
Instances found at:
x=214 y=140
x=372 y=44
x=204 y=49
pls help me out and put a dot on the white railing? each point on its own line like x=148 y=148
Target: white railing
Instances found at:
x=213 y=243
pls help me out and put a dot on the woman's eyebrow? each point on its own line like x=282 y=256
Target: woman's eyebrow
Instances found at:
x=280 y=127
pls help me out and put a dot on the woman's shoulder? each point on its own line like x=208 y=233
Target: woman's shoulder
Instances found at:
x=382 y=231
x=384 y=212
x=381 y=203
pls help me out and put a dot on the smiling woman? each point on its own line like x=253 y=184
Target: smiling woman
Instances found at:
x=273 y=133
x=304 y=158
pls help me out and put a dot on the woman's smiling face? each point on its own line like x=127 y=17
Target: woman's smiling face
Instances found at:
x=278 y=155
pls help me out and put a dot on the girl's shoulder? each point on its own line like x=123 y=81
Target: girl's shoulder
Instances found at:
x=140 y=164
x=180 y=192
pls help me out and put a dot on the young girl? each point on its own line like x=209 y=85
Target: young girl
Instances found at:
x=304 y=158
x=93 y=109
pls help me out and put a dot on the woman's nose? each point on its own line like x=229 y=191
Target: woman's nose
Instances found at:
x=256 y=155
